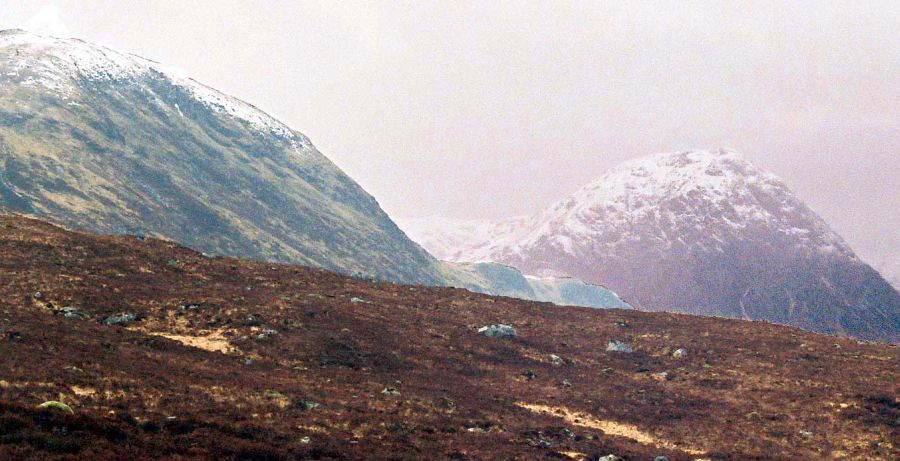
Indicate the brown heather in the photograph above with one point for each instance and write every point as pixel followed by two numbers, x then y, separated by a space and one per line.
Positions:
pixel 210 381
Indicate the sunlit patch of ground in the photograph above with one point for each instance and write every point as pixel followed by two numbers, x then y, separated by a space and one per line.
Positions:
pixel 609 427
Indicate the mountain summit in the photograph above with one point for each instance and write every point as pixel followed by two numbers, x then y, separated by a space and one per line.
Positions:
pixel 114 143
pixel 703 232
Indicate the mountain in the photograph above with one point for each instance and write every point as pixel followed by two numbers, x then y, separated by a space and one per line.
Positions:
pixel 108 142
pixel 114 143
pixel 501 280
pixel 164 353
pixel 702 232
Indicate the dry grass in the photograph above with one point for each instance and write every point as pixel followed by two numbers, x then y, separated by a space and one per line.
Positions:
pixel 200 383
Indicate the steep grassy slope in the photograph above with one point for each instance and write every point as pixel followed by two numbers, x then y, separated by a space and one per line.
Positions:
pixel 113 143
pixel 232 359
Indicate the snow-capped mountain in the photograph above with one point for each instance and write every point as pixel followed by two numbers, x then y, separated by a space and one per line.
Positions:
pixel 703 232
pixel 110 142
pixel 114 143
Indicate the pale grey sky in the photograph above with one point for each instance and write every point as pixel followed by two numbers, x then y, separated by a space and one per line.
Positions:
pixel 469 110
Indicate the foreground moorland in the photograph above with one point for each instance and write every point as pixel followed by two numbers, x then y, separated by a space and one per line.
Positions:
pixel 162 352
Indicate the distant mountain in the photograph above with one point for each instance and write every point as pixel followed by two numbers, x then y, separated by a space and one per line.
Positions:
pixel 113 143
pixel 498 279
pixel 699 232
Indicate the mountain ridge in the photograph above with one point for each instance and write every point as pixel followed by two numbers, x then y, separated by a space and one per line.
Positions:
pixel 109 142
pixel 702 232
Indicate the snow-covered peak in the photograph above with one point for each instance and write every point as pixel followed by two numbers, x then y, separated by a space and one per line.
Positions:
pixel 701 198
pixel 61 64
pixel 639 183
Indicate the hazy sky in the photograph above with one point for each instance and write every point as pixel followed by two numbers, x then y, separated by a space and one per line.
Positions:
pixel 473 111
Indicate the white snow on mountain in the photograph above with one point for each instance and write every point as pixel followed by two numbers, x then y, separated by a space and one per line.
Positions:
pixel 711 196
pixel 58 64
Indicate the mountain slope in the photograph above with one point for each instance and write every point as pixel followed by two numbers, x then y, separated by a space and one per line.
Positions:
pixel 114 143
pixel 699 232
pixel 308 364
pixel 501 280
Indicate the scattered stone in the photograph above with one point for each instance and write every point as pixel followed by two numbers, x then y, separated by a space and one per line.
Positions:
pixel 172 262
pixel 123 318
pixel 610 458
pixel 305 440
pixel 390 392
pixel 660 458
pixel 618 346
pixel 252 321
pixel 544 444
pixel 38 295
pixel 13 335
pixel 566 383
pixel 806 434
pixel 662 376
pixel 556 360
pixel 70 313
pixel 498 331
pixel 356 300
pixel 304 404
pixel 54 405
pixel 447 402
pixel 679 353
pixel 607 370
pixel 190 307
pixel 266 333
pixel 530 375
pixel 622 324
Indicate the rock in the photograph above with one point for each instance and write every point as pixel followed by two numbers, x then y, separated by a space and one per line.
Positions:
pixel 662 376
pixel 498 331
pixel 555 359
pixel 660 458
pixel 544 444
pixel 304 404
pixel 610 458
pixel 70 313
pixel 356 300
pixel 806 434
pixel 38 295
pixel 390 392
pixel 123 318
pixel 607 370
pixel 530 375
pixel 679 353
pixel 566 383
pixel 305 440
pixel 252 321
pixel 618 346
pixel 54 405
pixel 190 307
pixel 266 333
